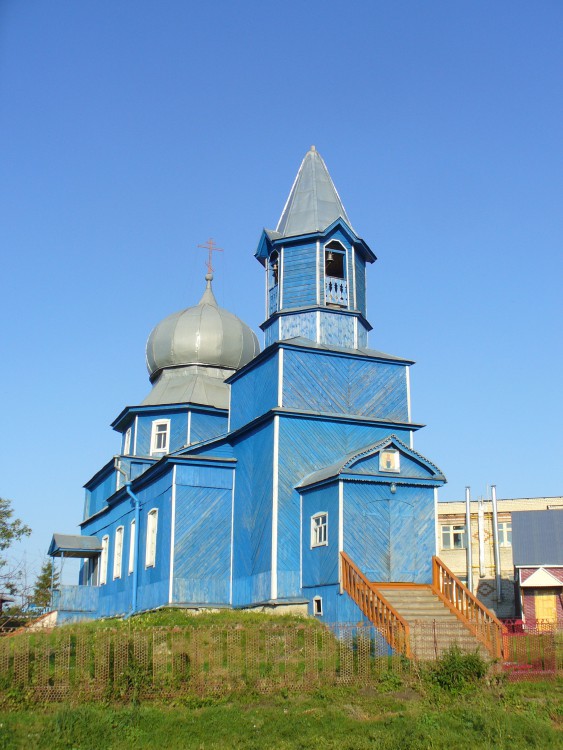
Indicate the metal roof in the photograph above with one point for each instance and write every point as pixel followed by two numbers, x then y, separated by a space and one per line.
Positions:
pixel 347 461
pixel 537 537
pixel 74 545
pixel 205 334
pixel 193 385
pixel 301 341
pixel 313 202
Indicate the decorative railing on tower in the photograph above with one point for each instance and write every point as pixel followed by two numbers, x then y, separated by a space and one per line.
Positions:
pixel 273 297
pixel 336 291
pixel 457 597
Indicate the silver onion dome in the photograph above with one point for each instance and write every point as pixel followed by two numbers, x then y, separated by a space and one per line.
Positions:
pixel 205 334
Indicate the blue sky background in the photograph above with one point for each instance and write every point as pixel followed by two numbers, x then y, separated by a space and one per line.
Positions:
pixel 130 132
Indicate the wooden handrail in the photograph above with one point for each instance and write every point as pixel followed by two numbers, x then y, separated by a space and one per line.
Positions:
pixel 375 606
pixel 465 605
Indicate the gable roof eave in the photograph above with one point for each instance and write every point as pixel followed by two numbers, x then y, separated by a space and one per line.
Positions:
pixel 339 468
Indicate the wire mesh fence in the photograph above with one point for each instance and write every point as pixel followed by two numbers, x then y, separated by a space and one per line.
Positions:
pixel 105 663
pixel 168 662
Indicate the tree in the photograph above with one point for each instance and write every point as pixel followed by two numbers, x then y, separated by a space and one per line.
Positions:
pixel 41 596
pixel 11 530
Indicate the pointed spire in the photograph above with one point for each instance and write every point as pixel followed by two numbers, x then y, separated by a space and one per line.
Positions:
pixel 313 202
pixel 208 296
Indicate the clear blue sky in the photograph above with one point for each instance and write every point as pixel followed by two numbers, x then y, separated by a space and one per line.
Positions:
pixel 131 131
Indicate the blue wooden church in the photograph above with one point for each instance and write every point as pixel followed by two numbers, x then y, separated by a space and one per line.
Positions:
pixel 244 474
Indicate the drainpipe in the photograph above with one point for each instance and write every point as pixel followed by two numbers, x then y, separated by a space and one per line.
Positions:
pixel 495 542
pixel 481 534
pixel 468 538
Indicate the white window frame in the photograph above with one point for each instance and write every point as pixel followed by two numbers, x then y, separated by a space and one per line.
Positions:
pixel 156 433
pixel 319 530
pixel 504 529
pixel 127 442
pixel 150 547
pixel 396 468
pixel 318 606
pixel 104 560
pixel 118 552
pixel 132 541
pixel 453 530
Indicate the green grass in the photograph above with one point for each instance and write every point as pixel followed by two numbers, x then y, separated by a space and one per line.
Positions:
pixel 170 617
pixel 412 717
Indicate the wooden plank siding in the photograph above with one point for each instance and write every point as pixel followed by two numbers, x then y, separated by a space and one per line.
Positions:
pixel 344 385
pixel 390 536
pixel 320 564
pixel 206 425
pixel 252 534
pixel 202 542
pixel 255 393
pixel 304 446
pixel 361 284
pixel 299 288
pixel 299 324
pixel 178 429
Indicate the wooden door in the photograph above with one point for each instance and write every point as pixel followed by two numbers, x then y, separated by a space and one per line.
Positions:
pixel 546 605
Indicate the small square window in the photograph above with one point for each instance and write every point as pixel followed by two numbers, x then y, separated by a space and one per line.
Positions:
pixel 454 537
pixel 160 436
pixel 318 606
pixel 389 461
pixel 319 530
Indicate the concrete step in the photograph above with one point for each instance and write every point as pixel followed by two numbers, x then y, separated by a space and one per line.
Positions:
pixel 433 626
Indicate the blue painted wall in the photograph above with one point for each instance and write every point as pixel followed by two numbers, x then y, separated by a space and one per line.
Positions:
pixel 320 564
pixel 178 429
pixel 205 425
pixel 252 535
pixel 305 445
pixel 390 537
pixel 202 546
pixel 299 324
pixel 115 596
pixel 298 283
pixel 255 392
pixel 98 491
pixel 342 384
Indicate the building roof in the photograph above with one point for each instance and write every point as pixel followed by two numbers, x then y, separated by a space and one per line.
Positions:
pixel 74 545
pixel 348 461
pixel 506 505
pixel 537 538
pixel 204 335
pixel 313 202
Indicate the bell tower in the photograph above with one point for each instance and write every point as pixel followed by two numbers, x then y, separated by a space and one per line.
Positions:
pixel 315 266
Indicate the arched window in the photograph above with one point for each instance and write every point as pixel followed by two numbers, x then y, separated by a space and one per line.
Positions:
pixel 335 257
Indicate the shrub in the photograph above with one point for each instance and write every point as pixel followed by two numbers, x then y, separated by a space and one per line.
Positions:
pixel 457 670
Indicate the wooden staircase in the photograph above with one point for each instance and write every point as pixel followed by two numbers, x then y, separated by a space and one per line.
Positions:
pixel 420 621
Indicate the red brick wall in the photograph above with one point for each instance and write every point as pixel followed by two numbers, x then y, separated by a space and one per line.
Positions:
pixel 529 606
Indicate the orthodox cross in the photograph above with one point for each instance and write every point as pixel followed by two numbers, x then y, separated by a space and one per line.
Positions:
pixel 211 247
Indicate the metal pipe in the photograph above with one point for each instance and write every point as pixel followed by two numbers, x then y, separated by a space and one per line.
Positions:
pixel 481 534
pixel 468 538
pixel 495 542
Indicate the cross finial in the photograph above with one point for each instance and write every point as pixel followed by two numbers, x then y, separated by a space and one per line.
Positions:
pixel 211 247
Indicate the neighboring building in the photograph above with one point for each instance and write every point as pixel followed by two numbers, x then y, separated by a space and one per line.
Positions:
pixel 452 547
pixel 244 474
pixel 538 561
